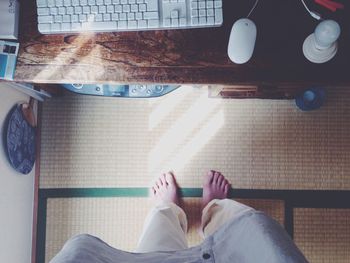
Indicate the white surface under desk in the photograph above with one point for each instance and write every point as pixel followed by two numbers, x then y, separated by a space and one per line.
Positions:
pixel 16 195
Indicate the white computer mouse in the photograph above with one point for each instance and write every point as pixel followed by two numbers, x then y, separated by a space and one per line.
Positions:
pixel 242 41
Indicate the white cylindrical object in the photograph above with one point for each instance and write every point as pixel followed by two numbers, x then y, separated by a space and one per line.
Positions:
pixel 326 33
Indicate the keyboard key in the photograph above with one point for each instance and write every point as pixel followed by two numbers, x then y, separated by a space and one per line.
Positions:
pixel 126 8
pixel 55 27
pixel 131 16
pixel 201 5
pixel 152 5
pixel 202 12
pixel 115 17
pixel 70 10
pixel 78 10
pixel 142 24
pixel 41 3
pixel 122 16
pixel 75 3
pixel 142 7
pixel 59 3
pixel 217 4
pixel 202 20
pixel 116 2
pixel 100 26
pixel 90 17
pixel 183 21
pixel 51 3
pixel 45 19
pixel 122 25
pixel 61 10
pixel 98 17
pixel 150 15
pixel 194 21
pixel 66 19
pixel 153 23
pixel 218 16
pixel 58 19
pixel 76 26
pixel 67 2
pixel 108 2
pixel 83 2
pixel 118 8
pixel 210 4
pixel 134 8
pixel 210 20
pixel 66 27
pixel 132 24
pixel 86 10
pixel 107 17
pixel 174 14
pixel 43 11
pixel 82 18
pixel 138 16
pixel 166 22
pixel 102 9
pixel 44 28
pixel 91 2
pixel 94 9
pixel 175 22
pixel 110 9
pixel 74 18
pixel 53 10
pixel 210 12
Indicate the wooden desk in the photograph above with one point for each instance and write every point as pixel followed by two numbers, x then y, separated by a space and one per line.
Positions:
pixel 185 56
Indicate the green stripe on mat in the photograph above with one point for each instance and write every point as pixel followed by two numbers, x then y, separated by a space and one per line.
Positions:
pixel 109 192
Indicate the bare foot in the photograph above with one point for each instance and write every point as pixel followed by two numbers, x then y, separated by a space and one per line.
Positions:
pixel 215 186
pixel 165 189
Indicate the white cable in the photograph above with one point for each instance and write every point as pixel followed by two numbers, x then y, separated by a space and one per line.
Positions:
pixel 251 11
pixel 312 13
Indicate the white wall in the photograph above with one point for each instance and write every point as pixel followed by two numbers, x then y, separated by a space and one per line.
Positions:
pixel 16 195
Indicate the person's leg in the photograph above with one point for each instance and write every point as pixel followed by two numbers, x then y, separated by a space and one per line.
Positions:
pixel 217 209
pixel 166 225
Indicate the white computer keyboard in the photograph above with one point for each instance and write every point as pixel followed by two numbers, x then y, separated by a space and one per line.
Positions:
pixel 64 16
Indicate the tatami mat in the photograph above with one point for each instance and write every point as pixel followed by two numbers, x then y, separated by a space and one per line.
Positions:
pixel 119 221
pixel 323 235
pixel 260 144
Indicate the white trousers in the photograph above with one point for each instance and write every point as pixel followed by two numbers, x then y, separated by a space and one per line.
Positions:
pixel 165 227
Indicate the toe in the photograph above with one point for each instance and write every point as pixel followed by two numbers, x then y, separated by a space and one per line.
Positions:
pixel 220 179
pixel 157 186
pixel 160 183
pixel 224 183
pixel 153 191
pixel 162 179
pixel 208 178
pixel 169 178
pixel 216 177
pixel 227 188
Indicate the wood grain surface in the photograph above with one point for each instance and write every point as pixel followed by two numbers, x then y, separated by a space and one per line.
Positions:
pixel 185 56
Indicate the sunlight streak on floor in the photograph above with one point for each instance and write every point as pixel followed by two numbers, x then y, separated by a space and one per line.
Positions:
pixel 167 105
pixel 195 145
pixel 187 135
